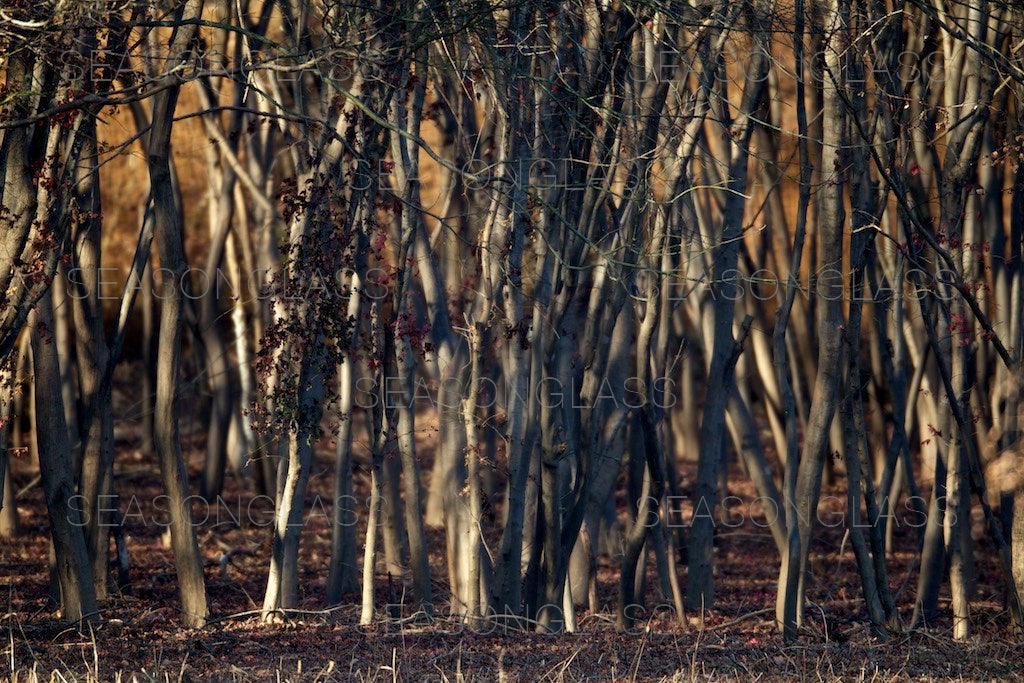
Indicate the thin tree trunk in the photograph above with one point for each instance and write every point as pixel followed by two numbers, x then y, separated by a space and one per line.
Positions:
pixel 370 547
pixel 700 587
pixel 378 439
pixel 475 600
pixel 64 340
pixel 392 528
pixel 93 356
pixel 283 583
pixel 8 504
pixel 74 574
pixel 402 415
pixel 849 419
pixel 829 313
pixel 9 526
pixel 168 227
pixel 341 577
pixel 1017 542
pixel 149 355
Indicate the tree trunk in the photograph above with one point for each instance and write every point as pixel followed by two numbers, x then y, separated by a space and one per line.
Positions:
pixel 8 504
pixel 77 594
pixel 168 228
pixel 341 577
pixel 700 587
pixel 1017 542
pixel 829 306
pixel 93 356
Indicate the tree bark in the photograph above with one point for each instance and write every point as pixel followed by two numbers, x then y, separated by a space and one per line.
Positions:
pixel 700 586
pixel 829 306
pixel 168 228
pixel 74 574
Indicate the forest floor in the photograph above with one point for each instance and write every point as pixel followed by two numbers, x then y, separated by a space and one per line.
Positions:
pixel 140 638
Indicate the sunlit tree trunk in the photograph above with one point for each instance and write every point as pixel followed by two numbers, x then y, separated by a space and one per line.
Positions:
pixel 700 584
pixel 168 228
pixel 831 219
